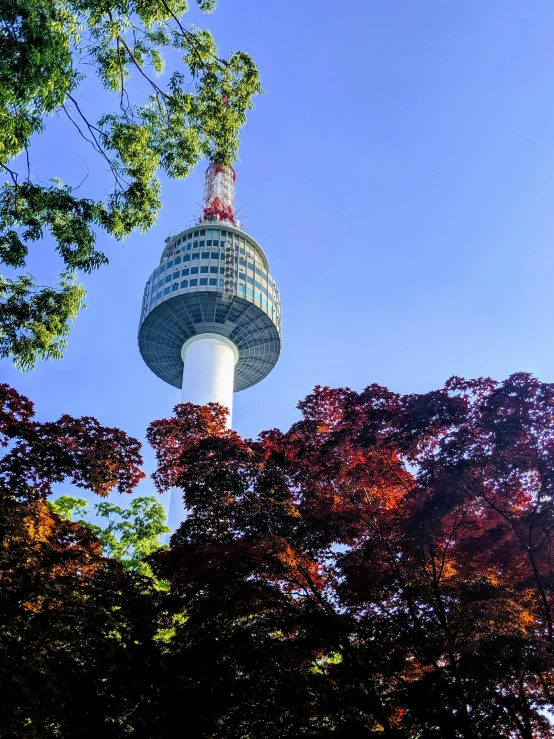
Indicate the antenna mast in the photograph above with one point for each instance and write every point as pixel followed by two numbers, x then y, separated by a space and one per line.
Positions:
pixel 219 194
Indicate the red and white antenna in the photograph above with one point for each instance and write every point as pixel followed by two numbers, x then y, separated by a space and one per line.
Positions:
pixel 219 194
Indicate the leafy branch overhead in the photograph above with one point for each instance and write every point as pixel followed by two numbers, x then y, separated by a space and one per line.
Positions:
pixel 196 112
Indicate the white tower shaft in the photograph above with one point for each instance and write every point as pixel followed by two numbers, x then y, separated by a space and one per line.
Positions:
pixel 209 371
pixel 208 377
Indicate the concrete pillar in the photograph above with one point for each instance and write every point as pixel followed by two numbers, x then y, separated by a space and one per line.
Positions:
pixel 209 371
pixel 208 377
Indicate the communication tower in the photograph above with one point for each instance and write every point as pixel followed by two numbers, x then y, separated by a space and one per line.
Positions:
pixel 211 314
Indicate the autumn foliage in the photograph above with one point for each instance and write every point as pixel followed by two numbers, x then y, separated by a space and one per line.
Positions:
pixel 72 622
pixel 383 568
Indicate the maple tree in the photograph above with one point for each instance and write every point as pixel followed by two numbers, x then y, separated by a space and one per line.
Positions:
pixel 72 622
pixel 384 568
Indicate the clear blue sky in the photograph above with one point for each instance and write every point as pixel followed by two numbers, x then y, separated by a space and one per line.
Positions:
pixel 398 171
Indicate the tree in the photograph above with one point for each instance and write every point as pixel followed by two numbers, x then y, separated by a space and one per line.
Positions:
pixel 384 568
pixel 47 47
pixel 130 535
pixel 76 628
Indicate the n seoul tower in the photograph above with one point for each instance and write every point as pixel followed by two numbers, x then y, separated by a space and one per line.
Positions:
pixel 211 314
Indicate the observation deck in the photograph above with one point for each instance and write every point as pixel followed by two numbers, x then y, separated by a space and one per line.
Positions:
pixel 212 278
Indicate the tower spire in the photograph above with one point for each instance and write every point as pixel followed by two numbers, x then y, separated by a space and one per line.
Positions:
pixel 219 194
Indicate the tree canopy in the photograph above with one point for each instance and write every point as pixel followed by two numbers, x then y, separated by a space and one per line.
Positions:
pixel 381 569
pixel 384 568
pixel 48 49
pixel 72 621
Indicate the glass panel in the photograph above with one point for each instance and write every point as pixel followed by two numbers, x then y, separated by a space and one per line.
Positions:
pixel 216 242
pixel 166 291
pixel 203 270
pixel 250 280
pixel 194 270
pixel 250 292
pixel 176 275
pixel 159 295
pixel 193 283
pixel 185 272
pixel 203 232
pixel 213 270
pixel 208 242
pixel 195 244
pixel 200 243
pixel 213 281
pixel 215 255
pixel 258 285
pixel 196 234
pixel 204 281
pixel 222 270
pixel 186 258
pixel 174 286
pixel 177 260
pixel 169 264
pixel 241 288
pixel 196 256
pixel 221 283
pixel 168 278
pixel 184 283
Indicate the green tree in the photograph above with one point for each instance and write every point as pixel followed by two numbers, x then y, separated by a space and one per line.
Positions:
pixel 130 534
pixel 47 48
